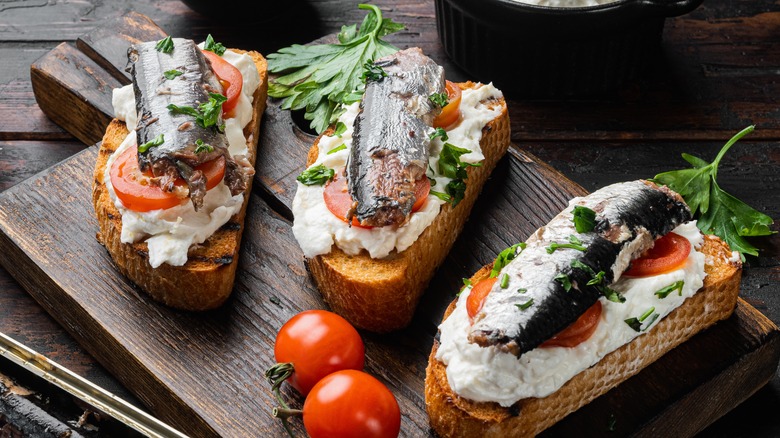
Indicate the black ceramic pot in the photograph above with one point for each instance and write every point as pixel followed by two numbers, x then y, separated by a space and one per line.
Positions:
pixel 539 51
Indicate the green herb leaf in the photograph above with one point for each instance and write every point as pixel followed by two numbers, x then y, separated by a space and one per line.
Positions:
pixel 717 212
pixel 597 279
pixel 451 167
pixel 372 72
pixel 522 290
pixel 157 141
pixel 165 45
pixel 466 282
pixel 201 147
pixel 574 243
pixel 340 147
pixel 207 114
pixel 341 128
pixel 213 46
pixel 636 323
pixel 611 294
pixel 525 305
pixel 611 423
pixel 504 257
pixel 504 281
pixel 172 74
pixel 564 280
pixel 676 286
pixel 439 99
pixel 441 133
pixel 321 78
pixel 443 196
pixel 584 219
pixel 317 175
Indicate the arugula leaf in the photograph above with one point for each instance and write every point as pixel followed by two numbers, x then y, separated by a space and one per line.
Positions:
pixel 213 46
pixel 157 141
pixel 717 212
pixel 322 78
pixel 317 175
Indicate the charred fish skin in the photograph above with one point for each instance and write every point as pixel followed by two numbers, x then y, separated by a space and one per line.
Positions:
pixel 176 156
pixel 629 217
pixel 390 142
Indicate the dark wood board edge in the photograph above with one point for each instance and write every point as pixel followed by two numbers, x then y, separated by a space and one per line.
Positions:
pixel 74 92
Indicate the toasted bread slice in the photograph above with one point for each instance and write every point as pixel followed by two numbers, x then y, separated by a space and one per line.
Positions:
pixel 380 295
pixel 453 416
pixel 206 280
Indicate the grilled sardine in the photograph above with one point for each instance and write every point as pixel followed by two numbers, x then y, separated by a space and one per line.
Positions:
pixel 629 217
pixel 179 154
pixel 390 147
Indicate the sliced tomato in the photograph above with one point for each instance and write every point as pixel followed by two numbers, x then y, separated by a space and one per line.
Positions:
pixel 133 189
pixel 579 331
pixel 479 293
pixel 230 78
pixel 668 254
pixel 339 201
pixel 450 113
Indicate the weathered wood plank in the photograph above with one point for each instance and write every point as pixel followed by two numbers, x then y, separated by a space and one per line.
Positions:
pixel 20 160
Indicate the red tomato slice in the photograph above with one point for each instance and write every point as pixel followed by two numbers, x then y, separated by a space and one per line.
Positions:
pixel 450 113
pixel 349 404
pixel 230 78
pixel 479 293
pixel 668 254
pixel 339 201
pixel 579 331
pixel 133 189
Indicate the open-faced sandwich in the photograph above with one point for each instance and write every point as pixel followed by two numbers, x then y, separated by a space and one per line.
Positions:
pixel 608 286
pixel 388 188
pixel 175 168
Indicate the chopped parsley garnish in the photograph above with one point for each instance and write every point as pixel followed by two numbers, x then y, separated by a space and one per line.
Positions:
pixel 717 212
pixel 213 46
pixel 165 45
pixel 597 280
pixel 504 257
pixel 466 283
pixel 564 280
pixel 317 175
pixel 207 114
pixel 372 72
pixel 504 281
pixel 611 423
pixel 441 133
pixel 574 243
pixel 451 167
pixel 341 128
pixel 612 294
pixel 525 305
pixel 439 99
pixel 584 219
pixel 157 141
pixel 340 147
pixel 522 290
pixel 172 74
pixel 676 286
pixel 636 323
pixel 201 147
pixel 322 78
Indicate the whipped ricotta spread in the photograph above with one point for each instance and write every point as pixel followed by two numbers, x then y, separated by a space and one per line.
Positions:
pixel 487 374
pixel 317 229
pixel 171 232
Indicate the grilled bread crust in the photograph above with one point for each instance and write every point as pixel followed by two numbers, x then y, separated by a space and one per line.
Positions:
pixel 381 295
pixel 453 416
pixel 206 280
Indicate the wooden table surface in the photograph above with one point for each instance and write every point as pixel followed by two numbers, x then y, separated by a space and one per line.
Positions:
pixel 718 71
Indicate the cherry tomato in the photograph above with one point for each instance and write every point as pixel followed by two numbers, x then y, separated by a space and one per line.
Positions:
pixel 230 78
pixel 479 293
pixel 450 113
pixel 317 343
pixel 350 404
pixel 339 201
pixel 132 186
pixel 668 254
pixel 580 331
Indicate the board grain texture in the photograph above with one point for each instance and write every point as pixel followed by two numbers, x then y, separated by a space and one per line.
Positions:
pixel 721 46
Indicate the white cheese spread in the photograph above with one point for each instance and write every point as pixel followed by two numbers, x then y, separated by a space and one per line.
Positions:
pixel 487 374
pixel 171 232
pixel 317 229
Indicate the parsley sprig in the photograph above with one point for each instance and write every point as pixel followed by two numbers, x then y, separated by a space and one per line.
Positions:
pixel 213 46
pixel 316 175
pixel 320 78
pixel 506 256
pixel 451 167
pixel 207 114
pixel 718 212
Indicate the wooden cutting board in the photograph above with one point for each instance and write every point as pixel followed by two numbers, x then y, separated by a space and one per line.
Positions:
pixel 203 372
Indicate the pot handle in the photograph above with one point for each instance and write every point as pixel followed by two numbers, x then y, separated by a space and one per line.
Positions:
pixel 670 8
